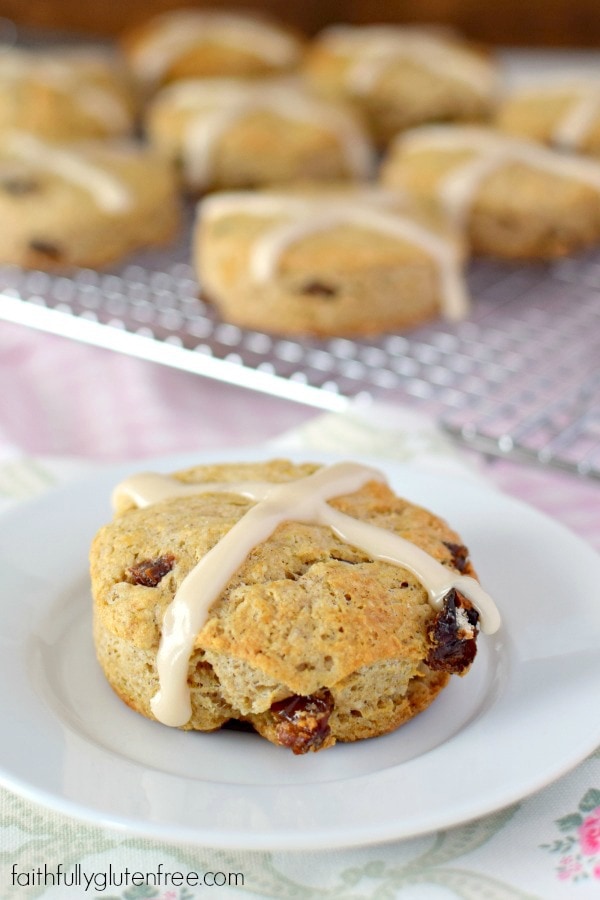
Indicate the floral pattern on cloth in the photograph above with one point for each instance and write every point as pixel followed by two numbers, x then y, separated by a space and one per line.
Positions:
pixel 383 872
pixel 578 849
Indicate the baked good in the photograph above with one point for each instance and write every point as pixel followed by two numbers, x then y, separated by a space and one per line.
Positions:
pixel 561 111
pixel 234 133
pixel 514 198
pixel 308 600
pixel 327 263
pixel 81 204
pixel 400 77
pixel 204 43
pixel 65 94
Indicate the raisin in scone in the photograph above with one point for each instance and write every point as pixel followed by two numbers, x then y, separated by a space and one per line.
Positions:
pixel 204 43
pixel 400 77
pixel 560 111
pixel 514 198
pixel 231 133
pixel 308 600
pixel 65 94
pixel 82 204
pixel 327 262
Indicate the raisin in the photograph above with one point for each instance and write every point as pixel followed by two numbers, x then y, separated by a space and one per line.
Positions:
pixel 319 289
pixel 453 645
pixel 18 186
pixel 303 722
pixel 150 572
pixel 460 556
pixel 46 248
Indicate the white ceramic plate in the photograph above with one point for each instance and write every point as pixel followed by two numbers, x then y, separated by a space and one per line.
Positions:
pixel 525 714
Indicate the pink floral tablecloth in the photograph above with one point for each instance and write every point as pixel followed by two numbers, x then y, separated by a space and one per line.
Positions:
pixel 65 408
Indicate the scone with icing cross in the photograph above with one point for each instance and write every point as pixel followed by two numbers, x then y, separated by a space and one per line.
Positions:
pixel 234 133
pixel 560 111
pixel 400 77
pixel 65 94
pixel 307 600
pixel 205 43
pixel 82 204
pixel 327 262
pixel 512 197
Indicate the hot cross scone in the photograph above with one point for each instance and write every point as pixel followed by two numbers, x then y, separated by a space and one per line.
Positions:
pixel 400 77
pixel 307 600
pixel 65 94
pixel 205 43
pixel 234 133
pixel 512 197
pixel 355 261
pixel 81 204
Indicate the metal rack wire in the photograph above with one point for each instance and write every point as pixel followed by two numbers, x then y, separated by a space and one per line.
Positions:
pixel 519 378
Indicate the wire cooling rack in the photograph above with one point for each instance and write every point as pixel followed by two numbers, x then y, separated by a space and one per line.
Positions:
pixel 520 377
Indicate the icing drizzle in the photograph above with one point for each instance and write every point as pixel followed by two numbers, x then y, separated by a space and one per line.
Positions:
pixel 491 151
pixel 304 217
pixel 217 104
pixel 301 500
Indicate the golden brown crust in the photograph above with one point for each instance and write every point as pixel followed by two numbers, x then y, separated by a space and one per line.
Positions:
pixel 305 616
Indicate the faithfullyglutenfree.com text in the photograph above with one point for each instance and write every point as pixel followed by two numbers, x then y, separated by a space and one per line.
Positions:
pixel 98 881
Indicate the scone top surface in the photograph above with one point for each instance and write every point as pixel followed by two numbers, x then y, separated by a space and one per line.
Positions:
pixel 304 613
pixel 200 43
